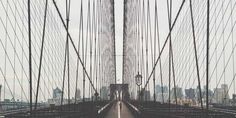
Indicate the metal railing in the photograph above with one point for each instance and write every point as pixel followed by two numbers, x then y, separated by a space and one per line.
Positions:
pixel 89 109
pixel 152 109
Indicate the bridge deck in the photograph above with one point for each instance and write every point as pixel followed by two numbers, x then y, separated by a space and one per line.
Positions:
pixel 117 112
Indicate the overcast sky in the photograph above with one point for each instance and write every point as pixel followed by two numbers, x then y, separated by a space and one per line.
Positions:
pixel 14 42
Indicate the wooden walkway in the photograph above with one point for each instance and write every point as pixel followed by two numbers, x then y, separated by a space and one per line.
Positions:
pixel 119 110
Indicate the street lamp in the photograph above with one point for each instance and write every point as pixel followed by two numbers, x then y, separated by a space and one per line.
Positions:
pixel 138 80
pixel 96 96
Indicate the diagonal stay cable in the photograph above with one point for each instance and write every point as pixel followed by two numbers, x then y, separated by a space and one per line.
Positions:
pixel 180 9
pixel 72 42
pixel 195 50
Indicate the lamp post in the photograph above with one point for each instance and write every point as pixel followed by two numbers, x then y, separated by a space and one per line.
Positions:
pixel 96 96
pixel 138 80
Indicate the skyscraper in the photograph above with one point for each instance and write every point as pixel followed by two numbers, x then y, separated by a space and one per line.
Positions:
pixel 57 93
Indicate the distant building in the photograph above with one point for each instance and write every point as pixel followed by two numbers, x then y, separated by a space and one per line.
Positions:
pixel 218 96
pixel 78 94
pixel 57 93
pixel 165 89
pixel 234 100
pixel 158 89
pixel 190 93
pixel 104 93
pixel 221 95
pixel 210 94
pixel 226 92
pixel 179 93
pixel 159 96
pixel 146 95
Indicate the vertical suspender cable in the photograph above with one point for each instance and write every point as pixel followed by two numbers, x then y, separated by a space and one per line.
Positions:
pixel 149 32
pixel 146 41
pixel 144 49
pixel 231 6
pixel 149 26
pixel 171 60
pixel 64 72
pixel 163 47
pixel 223 36
pixel 158 39
pixel 169 21
pixel 207 57
pixel 73 45
pixel 88 27
pixel 22 58
pixel 68 48
pixel 98 66
pixel 98 71
pixel 30 57
pixel 14 63
pixel 77 63
pixel 195 50
pixel 91 47
pixel 169 57
pixel 95 25
pixel 154 74
pixel 96 44
pixel 82 36
pixel 5 58
pixel 41 54
pixel 216 57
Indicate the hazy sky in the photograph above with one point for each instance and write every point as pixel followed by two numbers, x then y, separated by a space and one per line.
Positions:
pixel 14 41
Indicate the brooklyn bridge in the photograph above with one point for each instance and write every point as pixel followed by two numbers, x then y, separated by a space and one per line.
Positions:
pixel 117 59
